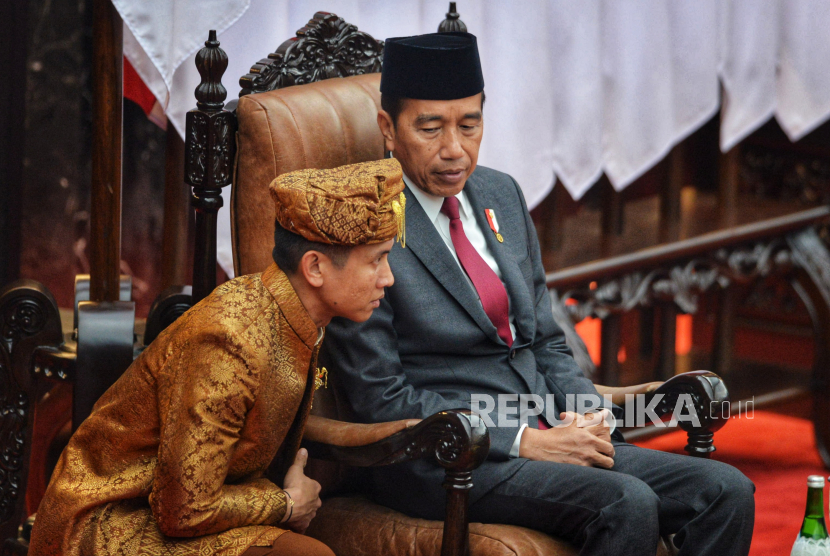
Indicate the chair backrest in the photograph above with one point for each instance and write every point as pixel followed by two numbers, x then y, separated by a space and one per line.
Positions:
pixel 319 125
pixel 324 123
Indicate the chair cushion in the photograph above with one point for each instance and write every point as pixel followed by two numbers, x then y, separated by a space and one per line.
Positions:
pixel 319 125
pixel 355 526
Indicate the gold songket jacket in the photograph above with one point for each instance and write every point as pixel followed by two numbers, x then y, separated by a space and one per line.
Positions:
pixel 172 460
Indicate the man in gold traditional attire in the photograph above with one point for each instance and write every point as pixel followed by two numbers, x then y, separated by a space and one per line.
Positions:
pixel 173 458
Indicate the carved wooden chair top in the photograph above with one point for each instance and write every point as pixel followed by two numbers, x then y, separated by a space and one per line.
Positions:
pixel 327 46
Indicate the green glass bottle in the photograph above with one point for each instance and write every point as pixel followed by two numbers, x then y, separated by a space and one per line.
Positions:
pixel 813 539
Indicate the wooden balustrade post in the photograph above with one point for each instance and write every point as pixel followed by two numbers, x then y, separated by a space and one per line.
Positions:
pixel 176 225
pixel 209 152
pixel 728 185
pixel 670 213
pixel 724 343
pixel 612 224
pixel 610 341
pixel 666 353
pixel 107 106
pixel 556 232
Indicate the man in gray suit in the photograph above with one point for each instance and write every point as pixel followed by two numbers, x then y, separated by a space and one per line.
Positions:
pixel 469 314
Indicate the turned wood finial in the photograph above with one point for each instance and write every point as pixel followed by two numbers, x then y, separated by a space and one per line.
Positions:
pixel 209 153
pixel 211 61
pixel 452 22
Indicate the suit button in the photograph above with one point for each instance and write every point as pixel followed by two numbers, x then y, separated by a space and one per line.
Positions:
pixel 513 354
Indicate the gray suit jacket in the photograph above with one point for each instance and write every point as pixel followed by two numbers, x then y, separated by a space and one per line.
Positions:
pixel 430 345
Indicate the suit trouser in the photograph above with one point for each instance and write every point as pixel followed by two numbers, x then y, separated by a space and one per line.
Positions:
pixel 709 505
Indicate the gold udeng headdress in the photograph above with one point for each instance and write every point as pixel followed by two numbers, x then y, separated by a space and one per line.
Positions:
pixel 350 205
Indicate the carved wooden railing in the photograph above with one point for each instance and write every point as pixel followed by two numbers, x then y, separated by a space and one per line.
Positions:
pixel 789 247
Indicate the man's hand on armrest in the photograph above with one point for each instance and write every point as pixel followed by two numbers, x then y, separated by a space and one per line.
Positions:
pixel 579 440
pixel 618 393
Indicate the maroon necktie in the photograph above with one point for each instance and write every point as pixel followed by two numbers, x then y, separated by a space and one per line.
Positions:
pixel 487 283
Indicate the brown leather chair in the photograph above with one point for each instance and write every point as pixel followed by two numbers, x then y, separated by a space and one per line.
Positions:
pixel 325 124
pixel 321 124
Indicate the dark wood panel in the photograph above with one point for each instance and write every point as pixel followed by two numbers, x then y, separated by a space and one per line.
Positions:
pixel 176 214
pixel 13 39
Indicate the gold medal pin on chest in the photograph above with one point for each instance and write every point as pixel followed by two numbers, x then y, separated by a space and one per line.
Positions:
pixel 494 224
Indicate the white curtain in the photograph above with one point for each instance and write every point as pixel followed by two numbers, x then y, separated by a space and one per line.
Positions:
pixel 574 88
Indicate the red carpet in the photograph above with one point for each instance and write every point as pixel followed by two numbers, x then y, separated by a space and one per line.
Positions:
pixel 778 453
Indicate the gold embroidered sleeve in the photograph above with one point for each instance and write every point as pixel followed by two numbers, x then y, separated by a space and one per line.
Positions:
pixel 205 391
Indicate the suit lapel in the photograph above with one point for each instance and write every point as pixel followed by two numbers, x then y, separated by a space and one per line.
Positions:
pixel 426 244
pixel 521 304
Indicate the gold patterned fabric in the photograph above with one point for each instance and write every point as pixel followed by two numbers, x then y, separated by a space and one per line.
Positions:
pixel 350 205
pixel 172 460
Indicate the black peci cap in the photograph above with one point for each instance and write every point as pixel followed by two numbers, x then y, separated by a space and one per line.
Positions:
pixel 437 66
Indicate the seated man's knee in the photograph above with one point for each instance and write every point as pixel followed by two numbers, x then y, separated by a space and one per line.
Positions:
pixel 723 489
pixel 630 513
pixel 634 500
pixel 723 480
pixel 737 487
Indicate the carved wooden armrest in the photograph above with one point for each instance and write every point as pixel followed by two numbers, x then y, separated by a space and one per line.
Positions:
pixel 708 396
pixel 340 433
pixel 448 436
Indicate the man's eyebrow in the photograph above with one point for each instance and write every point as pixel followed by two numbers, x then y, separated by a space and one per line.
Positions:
pixel 424 118
pixel 473 115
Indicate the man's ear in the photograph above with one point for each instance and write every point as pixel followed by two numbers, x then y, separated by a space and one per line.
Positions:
pixel 387 129
pixel 309 267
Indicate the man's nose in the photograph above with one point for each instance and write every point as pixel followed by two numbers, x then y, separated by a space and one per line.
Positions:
pixel 451 149
pixel 386 278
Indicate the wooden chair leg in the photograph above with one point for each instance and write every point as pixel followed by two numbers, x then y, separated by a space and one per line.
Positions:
pixel 459 457
pixel 456 525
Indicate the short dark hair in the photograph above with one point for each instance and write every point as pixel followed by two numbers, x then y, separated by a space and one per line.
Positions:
pixel 393 105
pixel 289 249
